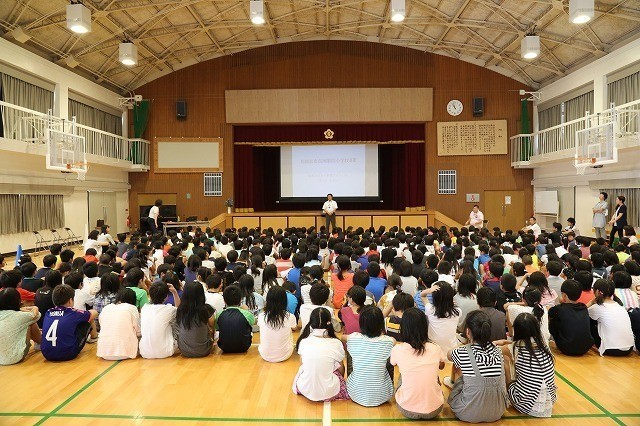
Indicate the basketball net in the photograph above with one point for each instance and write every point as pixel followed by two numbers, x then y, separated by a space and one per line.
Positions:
pixel 79 168
pixel 581 164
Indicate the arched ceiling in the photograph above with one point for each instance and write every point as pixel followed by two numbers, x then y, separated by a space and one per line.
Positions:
pixel 173 34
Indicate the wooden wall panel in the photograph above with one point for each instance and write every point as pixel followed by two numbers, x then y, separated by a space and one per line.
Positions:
pixel 249 222
pixel 386 221
pixel 332 64
pixel 273 222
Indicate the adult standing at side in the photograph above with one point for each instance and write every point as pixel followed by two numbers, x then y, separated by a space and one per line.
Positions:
pixel 619 219
pixel 476 217
pixel 600 212
pixel 329 212
pixel 153 216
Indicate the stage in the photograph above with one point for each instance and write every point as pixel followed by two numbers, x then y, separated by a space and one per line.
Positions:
pixel 344 219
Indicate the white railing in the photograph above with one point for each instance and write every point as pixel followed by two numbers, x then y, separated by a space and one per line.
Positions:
pixel 30 126
pixel 563 136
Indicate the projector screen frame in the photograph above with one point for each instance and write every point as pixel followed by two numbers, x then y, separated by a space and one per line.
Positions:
pixel 351 199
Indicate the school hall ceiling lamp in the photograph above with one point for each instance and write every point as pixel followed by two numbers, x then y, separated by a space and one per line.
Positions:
pixel 581 11
pixel 530 46
pixel 398 9
pixel 78 18
pixel 128 53
pixel 256 11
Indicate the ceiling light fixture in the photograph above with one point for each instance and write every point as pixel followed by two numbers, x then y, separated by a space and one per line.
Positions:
pixel 78 18
pixel 398 9
pixel 530 46
pixel 128 53
pixel 256 11
pixel 581 11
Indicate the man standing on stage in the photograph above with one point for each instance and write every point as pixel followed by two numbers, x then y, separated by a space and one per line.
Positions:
pixel 329 211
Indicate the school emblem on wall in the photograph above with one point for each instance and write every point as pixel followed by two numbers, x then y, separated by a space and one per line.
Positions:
pixel 328 134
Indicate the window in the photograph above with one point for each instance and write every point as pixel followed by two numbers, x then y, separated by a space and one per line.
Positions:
pixel 447 182
pixel 213 184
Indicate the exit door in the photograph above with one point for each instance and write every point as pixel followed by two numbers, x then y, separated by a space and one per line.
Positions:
pixel 504 209
pixel 102 206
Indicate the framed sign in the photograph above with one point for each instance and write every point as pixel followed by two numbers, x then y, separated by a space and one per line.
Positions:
pixel 187 155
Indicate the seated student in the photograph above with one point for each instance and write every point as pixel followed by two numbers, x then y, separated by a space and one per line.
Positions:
pixel 29 282
pixel 134 280
pixel 234 323
pixel 119 328
pixel 361 279
pixel 465 298
pixel 393 314
pixel 91 279
pixel 341 281
pixel 104 264
pixel 419 395
pixel 293 304
pixel 48 262
pixel 195 321
pixel 530 304
pixel 507 292
pixel 585 279
pixel 533 389
pixel 444 272
pixel 496 270
pixel 276 325
pixel 628 297
pixel 12 279
pixel 539 281
pixel 478 385
pixel 569 321
pixel 109 287
pixel 213 296
pixel 320 377
pixel 122 246
pixel 487 302
pixel 350 312
pixel 443 315
pixel 82 300
pixel 611 326
pixel 428 277
pixel 320 298
pixel 66 329
pixel 18 327
pixel 369 384
pixel 529 266
pixel 90 256
pixel 376 284
pixel 158 328
pixel 555 279
pixel 409 282
pixel 66 257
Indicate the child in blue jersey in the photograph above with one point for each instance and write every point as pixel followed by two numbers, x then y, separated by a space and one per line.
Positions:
pixel 65 330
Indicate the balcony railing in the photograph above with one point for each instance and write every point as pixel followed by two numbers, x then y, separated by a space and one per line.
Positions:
pixel 30 126
pixel 563 136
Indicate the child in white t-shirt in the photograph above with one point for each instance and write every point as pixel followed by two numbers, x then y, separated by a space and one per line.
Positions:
pixel 614 335
pixel 276 325
pixel 158 323
pixel 319 295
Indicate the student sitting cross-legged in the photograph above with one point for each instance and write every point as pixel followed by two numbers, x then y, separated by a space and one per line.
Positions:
pixel 370 383
pixel 65 329
pixel 419 395
pixel 569 322
pixel 119 328
pixel 196 322
pixel 17 327
pixel 611 325
pixel 234 323
pixel 158 323
pixel 276 325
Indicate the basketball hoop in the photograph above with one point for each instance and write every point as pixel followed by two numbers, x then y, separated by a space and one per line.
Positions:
pixel 80 169
pixel 581 164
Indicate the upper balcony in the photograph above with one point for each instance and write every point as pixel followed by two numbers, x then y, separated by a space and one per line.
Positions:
pixel 25 130
pixel 559 142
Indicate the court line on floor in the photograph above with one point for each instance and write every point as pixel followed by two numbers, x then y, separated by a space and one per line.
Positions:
pixel 591 400
pixel 326 413
pixel 75 395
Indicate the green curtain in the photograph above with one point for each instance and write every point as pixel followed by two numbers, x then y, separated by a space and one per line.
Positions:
pixel 140 119
pixel 525 129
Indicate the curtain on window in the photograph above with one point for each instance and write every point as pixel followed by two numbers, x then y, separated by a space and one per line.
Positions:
pixel 27 95
pixel 625 90
pixel 632 201
pixel 24 213
pixel 93 117
pixel 549 117
pixel 575 108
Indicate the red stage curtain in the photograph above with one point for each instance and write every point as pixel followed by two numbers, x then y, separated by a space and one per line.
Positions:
pixel 243 180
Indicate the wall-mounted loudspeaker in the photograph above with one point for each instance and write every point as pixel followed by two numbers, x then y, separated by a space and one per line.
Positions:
pixel 181 110
pixel 478 107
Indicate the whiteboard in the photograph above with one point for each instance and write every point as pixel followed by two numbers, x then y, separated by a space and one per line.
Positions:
pixel 546 202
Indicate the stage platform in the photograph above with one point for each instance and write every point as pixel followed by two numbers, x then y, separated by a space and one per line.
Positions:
pixel 344 219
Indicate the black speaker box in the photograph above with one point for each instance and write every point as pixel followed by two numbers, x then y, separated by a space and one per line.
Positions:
pixel 181 110
pixel 478 107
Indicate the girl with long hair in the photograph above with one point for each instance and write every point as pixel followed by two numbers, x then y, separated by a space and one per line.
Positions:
pixel 533 389
pixel 252 300
pixel 195 322
pixel 465 298
pixel 531 298
pixel 320 377
pixel 611 325
pixel 276 325
pixel 341 281
pixel 269 278
pixel 419 395
pixel 443 315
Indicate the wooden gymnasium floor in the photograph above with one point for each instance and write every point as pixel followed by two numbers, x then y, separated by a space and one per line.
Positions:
pixel 243 389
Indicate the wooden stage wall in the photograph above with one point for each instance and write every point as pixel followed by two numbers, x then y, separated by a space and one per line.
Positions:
pixel 331 64
pixel 344 219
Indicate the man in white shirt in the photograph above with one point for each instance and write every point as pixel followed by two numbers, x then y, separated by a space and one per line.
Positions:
pixel 153 216
pixel 533 226
pixel 329 211
pixel 476 217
